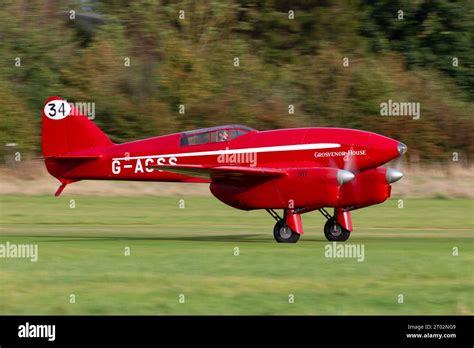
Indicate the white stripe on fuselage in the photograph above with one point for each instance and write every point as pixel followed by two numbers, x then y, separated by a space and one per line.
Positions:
pixel 236 151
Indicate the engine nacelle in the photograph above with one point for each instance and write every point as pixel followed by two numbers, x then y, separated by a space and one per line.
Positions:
pixel 367 188
pixel 299 188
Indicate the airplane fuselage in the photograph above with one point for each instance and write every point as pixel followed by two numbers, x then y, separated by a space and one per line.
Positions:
pixel 349 149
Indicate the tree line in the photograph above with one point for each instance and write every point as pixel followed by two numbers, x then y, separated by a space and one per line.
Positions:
pixel 154 67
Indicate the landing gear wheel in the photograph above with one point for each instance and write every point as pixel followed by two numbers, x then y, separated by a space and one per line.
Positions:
pixel 334 232
pixel 284 234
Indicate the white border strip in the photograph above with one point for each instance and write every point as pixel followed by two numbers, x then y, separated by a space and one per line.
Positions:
pixel 317 146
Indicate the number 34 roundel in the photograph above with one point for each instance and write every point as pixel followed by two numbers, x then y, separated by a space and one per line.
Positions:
pixel 57 109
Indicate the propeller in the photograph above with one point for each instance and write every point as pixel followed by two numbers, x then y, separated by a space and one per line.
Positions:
pixel 394 173
pixel 347 173
pixel 350 160
pixel 349 170
pixel 343 175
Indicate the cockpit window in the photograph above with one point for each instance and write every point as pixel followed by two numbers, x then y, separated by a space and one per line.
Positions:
pixel 213 135
pixel 235 133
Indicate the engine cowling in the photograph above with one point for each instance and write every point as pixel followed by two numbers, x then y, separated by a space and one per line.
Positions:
pixel 368 188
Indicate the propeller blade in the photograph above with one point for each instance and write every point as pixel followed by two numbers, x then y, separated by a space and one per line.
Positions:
pixel 350 160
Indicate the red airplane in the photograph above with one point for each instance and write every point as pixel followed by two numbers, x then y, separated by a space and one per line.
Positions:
pixel 297 170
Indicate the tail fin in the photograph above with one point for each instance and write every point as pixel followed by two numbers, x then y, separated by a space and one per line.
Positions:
pixel 69 138
pixel 65 130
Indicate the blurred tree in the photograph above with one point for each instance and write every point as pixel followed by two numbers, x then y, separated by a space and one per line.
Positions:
pixel 431 34
pixel 159 66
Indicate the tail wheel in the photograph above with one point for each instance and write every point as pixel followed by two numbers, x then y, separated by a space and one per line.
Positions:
pixel 284 234
pixel 334 232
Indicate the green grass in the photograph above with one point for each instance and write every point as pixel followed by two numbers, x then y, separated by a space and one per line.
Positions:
pixel 190 251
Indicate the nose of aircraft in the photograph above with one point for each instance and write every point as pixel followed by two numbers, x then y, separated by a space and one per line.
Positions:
pixel 402 148
pixel 385 149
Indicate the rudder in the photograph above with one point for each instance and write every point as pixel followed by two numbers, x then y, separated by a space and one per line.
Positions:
pixel 69 139
pixel 65 130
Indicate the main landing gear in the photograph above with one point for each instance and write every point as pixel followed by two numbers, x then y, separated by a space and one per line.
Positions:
pixel 334 230
pixel 289 228
pixel 282 232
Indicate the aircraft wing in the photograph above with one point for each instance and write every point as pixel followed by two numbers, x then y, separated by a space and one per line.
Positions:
pixel 221 172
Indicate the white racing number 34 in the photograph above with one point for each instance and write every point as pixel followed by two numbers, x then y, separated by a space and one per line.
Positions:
pixel 57 109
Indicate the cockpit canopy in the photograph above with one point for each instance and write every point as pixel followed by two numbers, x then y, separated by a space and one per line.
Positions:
pixel 213 134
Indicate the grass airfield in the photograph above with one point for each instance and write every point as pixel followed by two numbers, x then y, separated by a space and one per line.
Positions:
pixel 190 251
